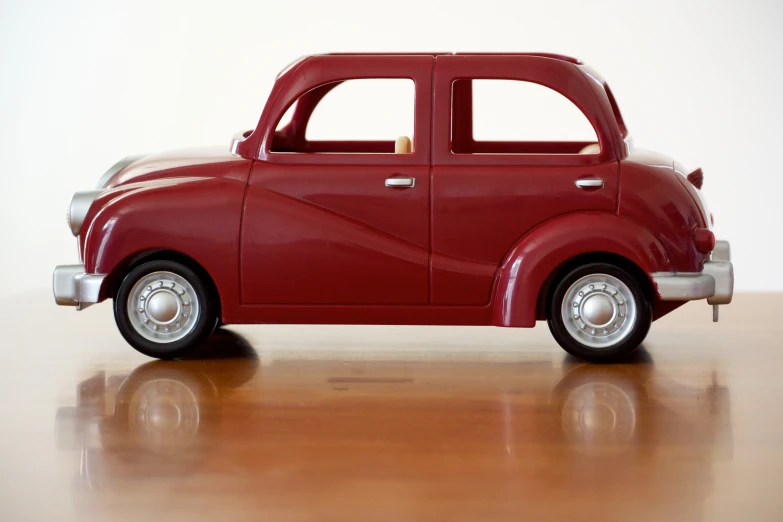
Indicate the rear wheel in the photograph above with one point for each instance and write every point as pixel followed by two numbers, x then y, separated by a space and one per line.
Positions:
pixel 163 309
pixel 598 312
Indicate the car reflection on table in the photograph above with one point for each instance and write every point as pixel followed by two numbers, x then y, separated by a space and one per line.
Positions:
pixel 535 434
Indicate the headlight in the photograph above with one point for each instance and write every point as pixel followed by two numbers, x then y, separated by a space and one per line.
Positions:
pixel 78 208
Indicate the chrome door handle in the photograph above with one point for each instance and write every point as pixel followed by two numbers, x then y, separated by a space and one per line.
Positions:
pixel 590 183
pixel 400 182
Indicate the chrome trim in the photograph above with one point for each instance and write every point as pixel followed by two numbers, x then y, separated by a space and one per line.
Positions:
pixel 628 145
pixel 236 139
pixel 598 311
pixel 722 251
pixel 684 286
pixel 590 183
pixel 79 206
pixel 72 286
pixel 163 307
pixel 722 273
pixel 715 282
pixel 401 182
pixel 114 169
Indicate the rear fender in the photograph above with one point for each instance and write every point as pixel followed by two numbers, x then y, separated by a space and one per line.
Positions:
pixel 541 252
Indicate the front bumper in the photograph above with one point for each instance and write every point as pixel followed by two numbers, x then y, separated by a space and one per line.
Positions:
pixel 74 287
pixel 715 282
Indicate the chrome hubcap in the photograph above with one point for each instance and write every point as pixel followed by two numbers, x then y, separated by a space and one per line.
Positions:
pixel 163 307
pixel 599 311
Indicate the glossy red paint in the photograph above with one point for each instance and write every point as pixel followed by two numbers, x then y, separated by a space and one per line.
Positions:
pixel 323 228
pixel 298 231
pixel 696 178
pixel 202 161
pixel 477 196
pixel 542 252
pixel 344 238
pixel 192 210
pixel 653 193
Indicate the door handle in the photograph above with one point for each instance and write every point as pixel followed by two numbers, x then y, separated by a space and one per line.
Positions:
pixel 401 182
pixel 590 183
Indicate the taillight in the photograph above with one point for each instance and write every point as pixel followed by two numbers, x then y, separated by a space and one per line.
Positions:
pixel 705 240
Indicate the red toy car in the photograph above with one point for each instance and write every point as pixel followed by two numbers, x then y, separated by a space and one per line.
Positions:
pixel 444 229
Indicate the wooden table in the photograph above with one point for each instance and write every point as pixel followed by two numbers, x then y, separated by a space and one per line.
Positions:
pixel 375 423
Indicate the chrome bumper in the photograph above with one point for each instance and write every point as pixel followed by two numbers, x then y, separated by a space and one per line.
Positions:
pixel 715 282
pixel 73 287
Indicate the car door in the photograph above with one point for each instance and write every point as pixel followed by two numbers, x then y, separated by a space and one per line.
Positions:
pixel 488 194
pixel 341 221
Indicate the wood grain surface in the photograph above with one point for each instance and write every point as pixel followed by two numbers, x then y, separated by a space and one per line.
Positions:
pixel 371 423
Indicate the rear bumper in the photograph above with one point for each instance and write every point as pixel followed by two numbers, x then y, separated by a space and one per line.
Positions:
pixel 73 287
pixel 715 282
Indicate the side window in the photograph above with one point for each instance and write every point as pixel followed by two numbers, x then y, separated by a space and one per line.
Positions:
pixel 370 116
pixel 517 117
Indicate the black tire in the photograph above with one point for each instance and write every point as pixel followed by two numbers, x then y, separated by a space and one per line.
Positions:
pixel 203 325
pixel 575 344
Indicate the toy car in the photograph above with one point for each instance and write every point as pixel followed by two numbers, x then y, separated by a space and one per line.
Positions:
pixel 440 228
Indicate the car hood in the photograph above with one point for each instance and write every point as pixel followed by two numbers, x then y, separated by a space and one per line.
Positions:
pixel 202 161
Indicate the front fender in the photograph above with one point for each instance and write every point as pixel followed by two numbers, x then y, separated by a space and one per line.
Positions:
pixel 542 251
pixel 198 217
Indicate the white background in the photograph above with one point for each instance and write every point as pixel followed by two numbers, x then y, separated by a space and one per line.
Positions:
pixel 83 84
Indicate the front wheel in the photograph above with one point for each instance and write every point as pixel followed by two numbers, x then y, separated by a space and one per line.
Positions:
pixel 598 312
pixel 163 309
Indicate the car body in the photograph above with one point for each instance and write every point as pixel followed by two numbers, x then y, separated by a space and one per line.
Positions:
pixel 444 229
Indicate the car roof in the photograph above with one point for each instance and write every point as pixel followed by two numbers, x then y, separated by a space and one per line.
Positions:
pixel 553 56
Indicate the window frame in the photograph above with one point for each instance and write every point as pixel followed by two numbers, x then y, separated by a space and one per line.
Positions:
pixel 399 88
pixel 468 132
pixel 562 77
pixel 321 71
